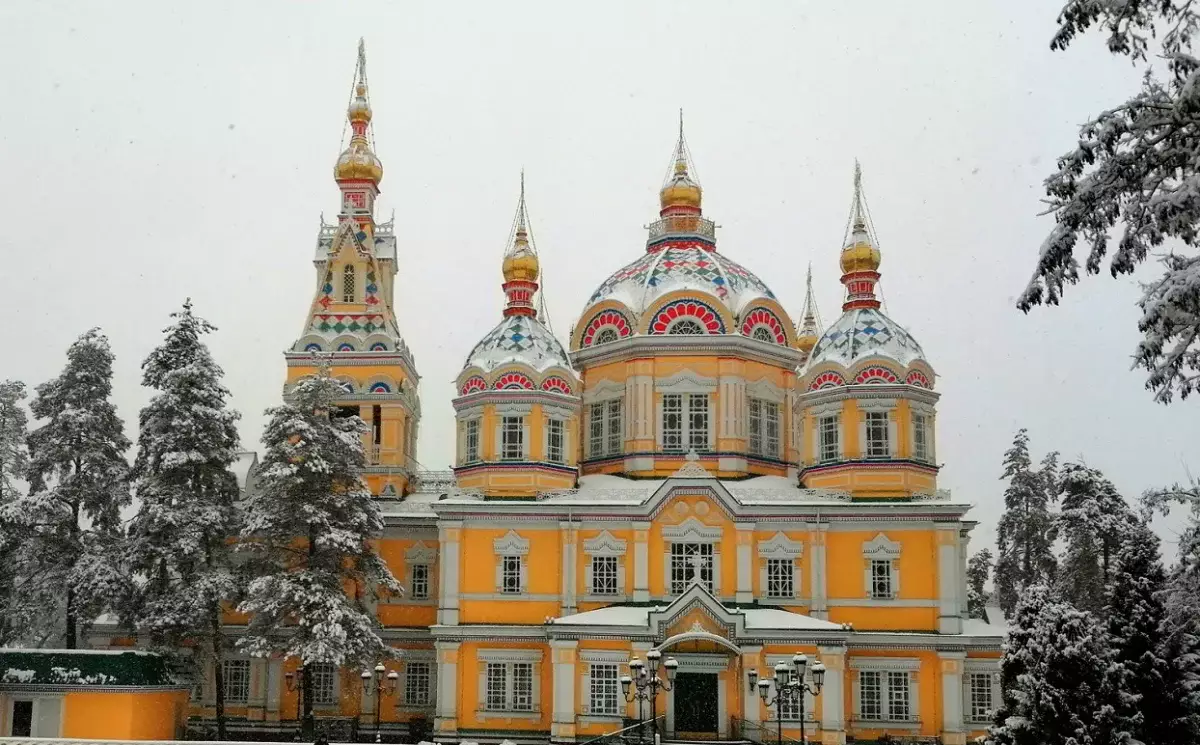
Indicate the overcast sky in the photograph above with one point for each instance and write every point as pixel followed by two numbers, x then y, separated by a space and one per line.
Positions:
pixel 155 151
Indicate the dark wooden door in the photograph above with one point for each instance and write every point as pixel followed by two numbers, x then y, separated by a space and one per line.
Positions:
pixel 696 703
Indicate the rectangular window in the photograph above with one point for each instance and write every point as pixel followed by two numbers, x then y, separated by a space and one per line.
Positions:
pixel 471 441
pixel 418 586
pixel 885 696
pixel 604 575
pixel 877 435
pixel 764 428
pixel 898 697
pixel 512 438
pixel 522 678
pixel 497 686
pixel 323 676
pixel 881 579
pixel 348 293
pixel 698 423
pixel 376 424
pixel 237 681
pixel 596 441
pixel 691 562
pixel 606 436
pixel 616 443
pixel 920 441
pixel 754 418
pixel 870 688
pixel 417 683
pixel 827 432
pixel 555 446
pixel 781 582
pixel 510 574
pixel 672 425
pixel 604 688
pixel 981 697
pixel 789 709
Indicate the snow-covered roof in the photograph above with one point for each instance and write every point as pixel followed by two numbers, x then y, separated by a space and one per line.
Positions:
pixel 862 333
pixel 518 339
pixel 776 618
pixel 639 615
pixel 994 625
pixel 613 615
pixel 415 504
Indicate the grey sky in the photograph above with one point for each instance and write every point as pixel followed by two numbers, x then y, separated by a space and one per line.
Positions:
pixel 155 151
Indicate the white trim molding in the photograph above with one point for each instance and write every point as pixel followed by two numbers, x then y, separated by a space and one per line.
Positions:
pixel 685 381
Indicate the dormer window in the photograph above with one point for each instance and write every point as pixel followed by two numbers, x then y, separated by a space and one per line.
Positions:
pixel 349 294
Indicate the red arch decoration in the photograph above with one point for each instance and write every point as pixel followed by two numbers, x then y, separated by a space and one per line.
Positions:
pixel 474 384
pixel 603 319
pixel 764 317
pixel 827 379
pixel 917 378
pixel 556 384
pixel 874 374
pixel 709 319
pixel 512 381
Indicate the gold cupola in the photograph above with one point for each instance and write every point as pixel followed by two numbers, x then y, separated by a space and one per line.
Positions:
pixel 521 267
pixel 358 162
pixel 859 253
pixel 681 192
pixel 810 327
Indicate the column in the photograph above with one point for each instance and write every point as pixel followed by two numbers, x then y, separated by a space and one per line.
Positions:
pixel 274 687
pixel 745 562
pixel 833 696
pixel 564 653
pixel 258 689
pixel 964 552
pixel 731 434
pixel 953 731
pixel 639 416
pixel 569 573
pixel 818 608
pixel 446 724
pixel 641 562
pixel 949 620
pixel 449 534
pixel 751 703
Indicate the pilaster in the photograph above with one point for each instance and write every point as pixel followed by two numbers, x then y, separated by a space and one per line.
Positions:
pixel 752 708
pixel 641 562
pixel 274 687
pixel 445 726
pixel 745 562
pixel 564 654
pixel 449 535
pixel 833 696
pixel 949 581
pixel 953 731
pixel 569 559
pixel 818 607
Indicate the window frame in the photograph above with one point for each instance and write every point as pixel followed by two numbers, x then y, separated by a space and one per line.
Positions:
pixel 920 425
pixel 242 698
pixel 511 574
pixel 679 565
pixel 511 687
pixel 349 284
pixel 694 428
pixel 781 587
pixel 891 690
pixel 604 688
pixel 512 427
pixel 606 433
pixel 556 440
pixel 829 438
pixel 471 441
pixel 411 682
pixel 762 420
pixel 326 675
pixel 606 579
pixel 882 586
pixel 877 443
pixel 416 582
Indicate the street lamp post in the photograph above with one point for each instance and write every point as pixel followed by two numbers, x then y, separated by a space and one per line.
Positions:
pixel 644 684
pixel 373 684
pixel 790 686
pixel 295 683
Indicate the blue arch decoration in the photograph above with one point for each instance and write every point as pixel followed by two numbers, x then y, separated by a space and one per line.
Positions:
pixel 345 347
pixel 313 347
pixel 380 388
pixel 378 347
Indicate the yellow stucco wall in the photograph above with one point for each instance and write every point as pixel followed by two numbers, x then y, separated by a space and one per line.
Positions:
pixel 113 715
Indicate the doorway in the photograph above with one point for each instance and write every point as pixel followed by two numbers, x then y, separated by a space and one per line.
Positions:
pixel 696 705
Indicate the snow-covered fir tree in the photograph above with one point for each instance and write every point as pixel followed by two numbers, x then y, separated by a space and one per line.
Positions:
pixel 979 569
pixel 1134 173
pixel 1025 552
pixel 78 482
pixel 1058 682
pixel 187 496
pixel 14 459
pixel 1093 522
pixel 309 528
pixel 1153 682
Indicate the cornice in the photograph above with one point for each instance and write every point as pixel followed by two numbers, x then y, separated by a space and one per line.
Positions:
pixel 517 396
pixel 874 390
pixel 640 346
pixel 355 359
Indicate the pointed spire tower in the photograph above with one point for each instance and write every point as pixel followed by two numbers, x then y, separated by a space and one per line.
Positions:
pixel 681 194
pixel 860 254
pixel 809 330
pixel 358 171
pixel 521 268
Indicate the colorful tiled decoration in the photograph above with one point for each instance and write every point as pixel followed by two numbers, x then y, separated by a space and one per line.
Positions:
pixel 606 319
pixel 763 318
pixel 827 379
pixel 513 380
pixel 709 319
pixel 862 332
pixel 555 384
pixel 875 374
pixel 380 388
pixel 918 378
pixel 474 384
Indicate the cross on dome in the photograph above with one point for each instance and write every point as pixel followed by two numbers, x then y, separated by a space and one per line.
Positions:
pixel 860 255
pixel 521 268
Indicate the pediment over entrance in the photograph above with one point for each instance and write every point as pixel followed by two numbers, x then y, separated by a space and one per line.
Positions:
pixel 696 610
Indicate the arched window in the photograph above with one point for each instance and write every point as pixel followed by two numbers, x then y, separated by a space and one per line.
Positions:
pixel 348 293
pixel 686 327
pixel 762 333
pixel 606 336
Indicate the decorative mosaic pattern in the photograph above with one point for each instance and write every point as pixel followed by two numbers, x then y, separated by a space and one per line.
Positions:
pixel 513 380
pixel 473 385
pixel 327 290
pixel 379 347
pixel 874 374
pixel 606 319
pixel 314 347
pixel 917 378
pixel 761 317
pixel 828 379
pixel 520 339
pixel 681 265
pixel 701 312
pixel 555 384
pixel 372 289
pixel 348 322
pixel 381 388
pixel 863 332
pixel 345 347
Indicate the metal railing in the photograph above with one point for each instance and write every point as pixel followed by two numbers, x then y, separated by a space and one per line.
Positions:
pixel 682 225
pixel 763 733
pixel 638 732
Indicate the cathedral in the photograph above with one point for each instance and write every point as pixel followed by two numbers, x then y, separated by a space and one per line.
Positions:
pixel 695 485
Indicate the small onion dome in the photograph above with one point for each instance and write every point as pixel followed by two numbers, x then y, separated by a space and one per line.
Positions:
pixel 360 110
pixel 520 264
pixel 681 190
pixel 860 255
pixel 358 162
pixel 806 339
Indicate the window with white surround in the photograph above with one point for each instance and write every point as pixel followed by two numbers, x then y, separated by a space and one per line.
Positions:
pixel 603 690
pixel 512 572
pixel 922 432
pixel 763 419
pixel 691 562
pixel 685 422
pixel 497 697
pixel 829 438
pixel 605 567
pixel 790 709
pixel 471 441
pixel 555 441
pixel 885 690
pixel 512 438
pixel 605 433
pixel 324 677
pixel 604 575
pixel 980 691
pixel 878 444
pixel 418 678
pixel 237 681
pixel 781 579
pixel 981 705
pixel 881 576
pixel 418 584
pixel 509 680
pixel 778 572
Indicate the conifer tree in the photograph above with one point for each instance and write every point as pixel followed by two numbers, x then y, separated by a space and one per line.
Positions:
pixel 1059 687
pixel 979 568
pixel 14 459
pixel 1093 521
pixel 179 540
pixel 309 530
pixel 78 483
pixel 1025 551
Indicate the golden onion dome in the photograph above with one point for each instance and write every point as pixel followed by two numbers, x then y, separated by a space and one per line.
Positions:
pixel 806 339
pixel 860 255
pixel 521 263
pixel 358 162
pixel 681 190
pixel 360 110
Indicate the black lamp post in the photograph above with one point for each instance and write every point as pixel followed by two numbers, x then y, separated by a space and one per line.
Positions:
pixel 789 686
pixel 644 684
pixel 295 682
pixel 374 684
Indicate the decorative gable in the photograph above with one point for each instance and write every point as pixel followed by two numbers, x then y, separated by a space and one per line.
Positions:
pixel 881 547
pixel 511 544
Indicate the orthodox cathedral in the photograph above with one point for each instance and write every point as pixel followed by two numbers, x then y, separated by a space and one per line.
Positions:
pixel 692 476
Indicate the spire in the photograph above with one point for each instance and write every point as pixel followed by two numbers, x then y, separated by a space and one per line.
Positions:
pixel 680 194
pixel 810 325
pixel 357 162
pixel 521 267
pixel 860 256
